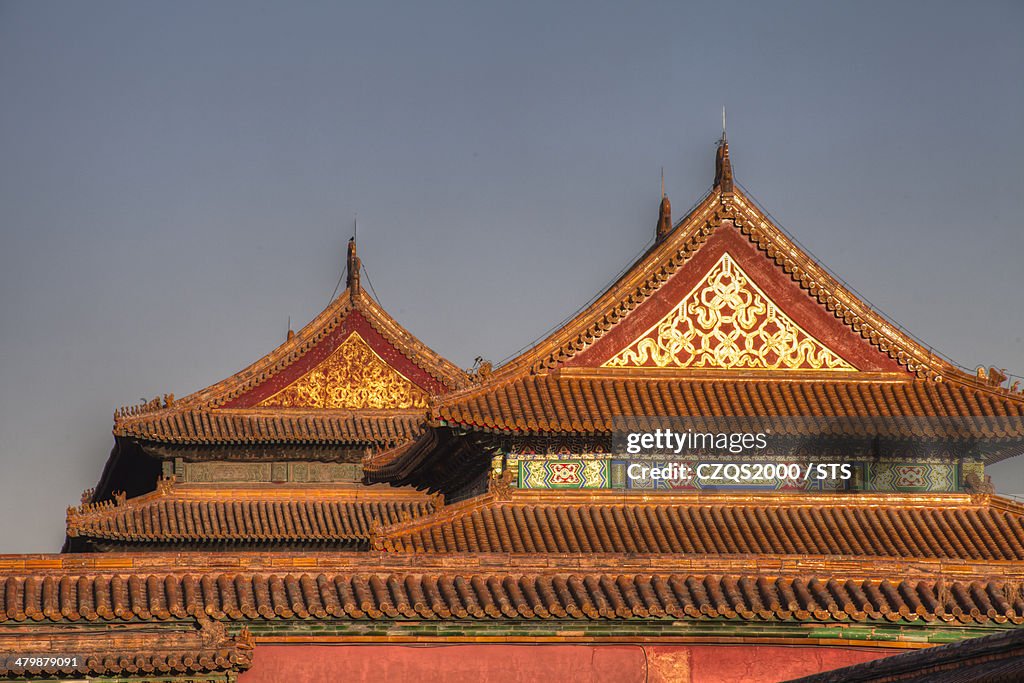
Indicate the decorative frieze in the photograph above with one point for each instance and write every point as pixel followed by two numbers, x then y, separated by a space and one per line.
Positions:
pixel 604 471
pixel 226 472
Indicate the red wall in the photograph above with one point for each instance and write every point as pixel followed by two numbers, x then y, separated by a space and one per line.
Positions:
pixel 524 663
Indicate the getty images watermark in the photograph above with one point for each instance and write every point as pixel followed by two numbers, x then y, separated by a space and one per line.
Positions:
pixel 812 453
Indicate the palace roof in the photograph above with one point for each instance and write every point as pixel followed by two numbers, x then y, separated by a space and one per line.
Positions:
pixel 764 302
pixel 950 526
pixel 158 587
pixel 724 316
pixel 128 651
pixel 206 515
pixel 587 402
pixel 351 376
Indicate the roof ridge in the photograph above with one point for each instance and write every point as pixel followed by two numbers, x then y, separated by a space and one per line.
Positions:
pixel 439 367
pixel 293 349
pixel 286 353
pixel 639 282
pixel 382 539
pixel 666 256
pixel 822 286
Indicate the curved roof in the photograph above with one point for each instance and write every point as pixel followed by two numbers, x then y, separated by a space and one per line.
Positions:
pixel 272 516
pixel 950 526
pixel 351 376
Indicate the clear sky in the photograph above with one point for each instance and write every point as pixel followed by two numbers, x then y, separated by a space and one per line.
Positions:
pixel 177 179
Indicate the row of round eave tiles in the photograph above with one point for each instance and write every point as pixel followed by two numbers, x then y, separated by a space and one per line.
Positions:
pixel 728 530
pixel 284 520
pixel 592 597
pixel 109 664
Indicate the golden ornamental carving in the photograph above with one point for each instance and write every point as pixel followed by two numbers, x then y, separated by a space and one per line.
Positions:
pixel 352 377
pixel 726 321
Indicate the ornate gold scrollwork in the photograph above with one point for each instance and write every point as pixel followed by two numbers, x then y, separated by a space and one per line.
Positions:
pixel 726 321
pixel 352 377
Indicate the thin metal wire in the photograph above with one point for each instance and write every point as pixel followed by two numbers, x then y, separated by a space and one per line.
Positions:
pixel 370 282
pixel 889 318
pixel 572 315
pixel 775 221
pixel 337 286
pixel 647 245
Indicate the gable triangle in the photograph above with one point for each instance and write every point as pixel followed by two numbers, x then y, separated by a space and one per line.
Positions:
pixel 353 377
pixel 727 322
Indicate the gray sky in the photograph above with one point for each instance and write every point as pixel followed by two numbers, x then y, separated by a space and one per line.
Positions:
pixel 177 179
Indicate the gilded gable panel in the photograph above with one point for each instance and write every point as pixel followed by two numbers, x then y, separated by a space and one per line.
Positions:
pixel 352 377
pixel 728 322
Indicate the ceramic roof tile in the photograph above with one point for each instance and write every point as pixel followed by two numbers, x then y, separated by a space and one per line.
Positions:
pixel 478 591
pixel 952 526
pixel 277 515
pixel 567 402
pixel 126 652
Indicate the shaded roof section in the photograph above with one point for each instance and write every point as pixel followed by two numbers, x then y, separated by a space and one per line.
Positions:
pixel 998 658
pixel 129 652
pixel 351 376
pixel 951 526
pixel 268 516
pixel 158 586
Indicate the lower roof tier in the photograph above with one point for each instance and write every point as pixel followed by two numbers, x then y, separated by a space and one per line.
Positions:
pixel 205 515
pixel 159 587
pixel 137 651
pixel 509 520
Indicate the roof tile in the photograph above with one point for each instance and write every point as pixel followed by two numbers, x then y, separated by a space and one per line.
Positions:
pixel 266 515
pixel 951 526
pixel 567 401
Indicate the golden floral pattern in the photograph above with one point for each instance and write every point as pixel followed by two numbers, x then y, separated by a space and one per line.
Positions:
pixel 352 377
pixel 726 321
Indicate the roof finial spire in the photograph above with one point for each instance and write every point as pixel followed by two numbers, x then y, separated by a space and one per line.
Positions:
pixel 353 267
pixel 723 167
pixel 664 212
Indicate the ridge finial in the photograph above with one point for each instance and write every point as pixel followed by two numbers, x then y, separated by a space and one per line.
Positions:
pixel 664 212
pixel 353 266
pixel 723 167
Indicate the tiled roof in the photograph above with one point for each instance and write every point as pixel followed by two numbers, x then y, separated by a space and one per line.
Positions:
pixel 125 652
pixel 587 403
pixel 272 427
pixel 267 515
pixel 726 209
pixel 76 589
pixel 890 525
pixel 210 416
pixel 997 658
